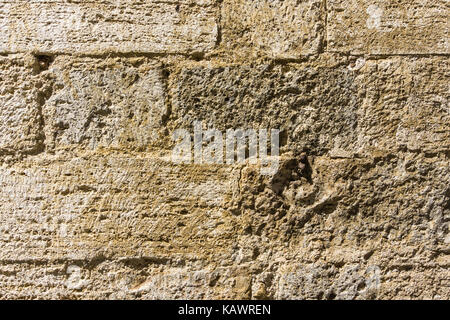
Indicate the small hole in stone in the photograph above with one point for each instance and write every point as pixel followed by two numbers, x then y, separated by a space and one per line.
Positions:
pixel 361 286
pixel 44 61
pixel 331 296
pixel 197 56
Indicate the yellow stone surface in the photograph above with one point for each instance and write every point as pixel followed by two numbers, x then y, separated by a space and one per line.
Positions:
pixel 92 205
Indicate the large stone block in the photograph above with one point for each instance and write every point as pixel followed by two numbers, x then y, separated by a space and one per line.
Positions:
pixel 388 27
pixel 185 26
pixel 355 107
pixel 310 104
pixel 347 228
pixel 22 93
pixel 92 206
pixel 117 103
pixel 404 104
pixel 280 29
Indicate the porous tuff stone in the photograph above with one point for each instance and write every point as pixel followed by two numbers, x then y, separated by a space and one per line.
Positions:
pixel 105 102
pixel 388 27
pixel 279 29
pixel 184 26
pixel 92 205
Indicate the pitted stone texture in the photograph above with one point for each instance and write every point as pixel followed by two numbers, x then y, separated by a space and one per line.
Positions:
pixel 348 228
pixel 81 26
pixel 126 226
pixel 117 226
pixel 111 205
pixel 92 207
pixel 105 103
pixel 388 27
pixel 280 29
pixel 405 104
pixel 354 108
pixel 22 93
pixel 286 97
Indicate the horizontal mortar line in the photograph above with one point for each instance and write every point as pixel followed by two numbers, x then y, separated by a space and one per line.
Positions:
pixel 387 55
pixel 76 260
pixel 122 259
pixel 169 2
pixel 103 54
pixel 40 261
pixel 205 58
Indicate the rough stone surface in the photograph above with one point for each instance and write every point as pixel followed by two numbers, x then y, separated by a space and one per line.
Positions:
pixel 105 102
pixel 22 93
pixel 388 27
pixel 147 26
pixel 354 108
pixel 279 29
pixel 93 207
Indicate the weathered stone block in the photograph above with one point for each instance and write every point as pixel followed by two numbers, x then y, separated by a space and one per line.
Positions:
pixel 22 93
pixel 281 29
pixel 405 104
pixel 105 103
pixel 310 104
pixel 388 27
pixel 184 26
pixel 111 206
pixel 357 107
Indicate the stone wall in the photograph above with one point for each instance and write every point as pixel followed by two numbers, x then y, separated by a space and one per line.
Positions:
pixel 93 207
